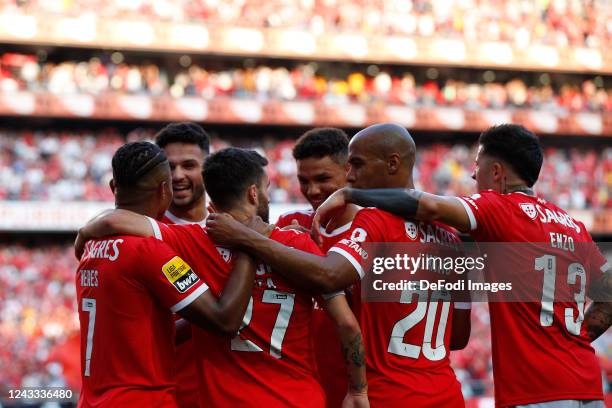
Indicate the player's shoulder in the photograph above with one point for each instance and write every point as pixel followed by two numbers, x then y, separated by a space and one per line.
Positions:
pixel 377 216
pixel 303 217
pixel 292 238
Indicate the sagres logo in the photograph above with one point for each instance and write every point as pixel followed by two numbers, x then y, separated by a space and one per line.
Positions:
pixel 179 274
pixel 530 210
pixel 411 230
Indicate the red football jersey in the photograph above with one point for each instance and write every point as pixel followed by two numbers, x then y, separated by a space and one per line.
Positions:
pixel 186 373
pixel 303 217
pixel 402 366
pixel 127 289
pixel 537 355
pixel 270 362
pixel 330 363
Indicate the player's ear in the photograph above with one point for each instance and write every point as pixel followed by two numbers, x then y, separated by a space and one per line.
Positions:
pixel 252 195
pixel 393 163
pixel 498 171
pixel 111 183
pixel 164 190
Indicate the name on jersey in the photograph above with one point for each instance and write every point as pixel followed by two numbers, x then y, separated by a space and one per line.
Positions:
pixel 561 241
pixel 89 278
pixel 355 247
pixel 431 233
pixel 179 274
pixel 107 249
pixel 546 215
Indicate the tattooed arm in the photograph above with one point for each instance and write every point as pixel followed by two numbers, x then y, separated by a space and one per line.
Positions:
pixel 353 350
pixel 598 317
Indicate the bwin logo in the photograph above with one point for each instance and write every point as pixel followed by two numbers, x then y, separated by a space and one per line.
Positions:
pixel 185 283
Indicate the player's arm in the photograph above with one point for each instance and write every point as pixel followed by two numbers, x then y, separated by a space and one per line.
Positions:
pixel 598 317
pixel 225 313
pixel 351 340
pixel 182 331
pixel 461 328
pixel 406 203
pixel 312 272
pixel 112 222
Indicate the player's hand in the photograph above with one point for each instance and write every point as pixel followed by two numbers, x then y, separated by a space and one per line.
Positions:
pixel 334 204
pixel 224 229
pixel 356 400
pixel 295 226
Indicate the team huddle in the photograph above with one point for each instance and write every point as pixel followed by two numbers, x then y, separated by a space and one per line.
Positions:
pixel 184 305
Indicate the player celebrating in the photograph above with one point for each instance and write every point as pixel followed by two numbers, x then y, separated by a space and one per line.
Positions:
pixel 270 361
pixel 402 368
pixel 128 287
pixel 186 145
pixel 557 366
pixel 321 155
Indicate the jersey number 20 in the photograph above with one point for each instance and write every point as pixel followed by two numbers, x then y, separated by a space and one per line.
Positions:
pixel 431 351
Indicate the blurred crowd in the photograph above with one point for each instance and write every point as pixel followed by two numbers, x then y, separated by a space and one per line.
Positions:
pixel 38 315
pixel 559 23
pixel 310 81
pixel 70 165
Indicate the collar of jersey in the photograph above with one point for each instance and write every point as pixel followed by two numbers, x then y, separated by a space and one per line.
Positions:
pixel 178 220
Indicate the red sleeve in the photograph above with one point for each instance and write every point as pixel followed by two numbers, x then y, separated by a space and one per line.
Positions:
pixel 284 220
pixel 303 218
pixel 167 276
pixel 368 226
pixel 481 209
pixel 303 242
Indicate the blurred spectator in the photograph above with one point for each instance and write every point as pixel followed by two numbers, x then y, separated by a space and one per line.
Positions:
pixel 302 82
pixel 66 166
pixel 38 315
pixel 559 23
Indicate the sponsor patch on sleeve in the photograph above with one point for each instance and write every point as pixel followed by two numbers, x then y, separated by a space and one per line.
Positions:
pixel 179 274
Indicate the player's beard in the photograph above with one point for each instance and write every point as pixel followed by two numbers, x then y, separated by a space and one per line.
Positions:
pixel 196 195
pixel 263 209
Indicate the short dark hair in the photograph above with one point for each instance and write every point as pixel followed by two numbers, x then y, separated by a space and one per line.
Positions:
pixel 134 161
pixel 229 172
pixel 183 132
pixel 321 142
pixel 517 146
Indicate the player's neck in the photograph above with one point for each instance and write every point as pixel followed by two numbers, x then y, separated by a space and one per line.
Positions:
pixel 194 213
pixel 240 214
pixel 148 210
pixel 519 188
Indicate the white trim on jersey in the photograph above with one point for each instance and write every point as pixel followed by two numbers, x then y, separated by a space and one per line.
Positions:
pixel 605 268
pixel 189 299
pixel 156 230
pixel 462 305
pixel 183 221
pixel 335 232
pixel 470 213
pixel 351 259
